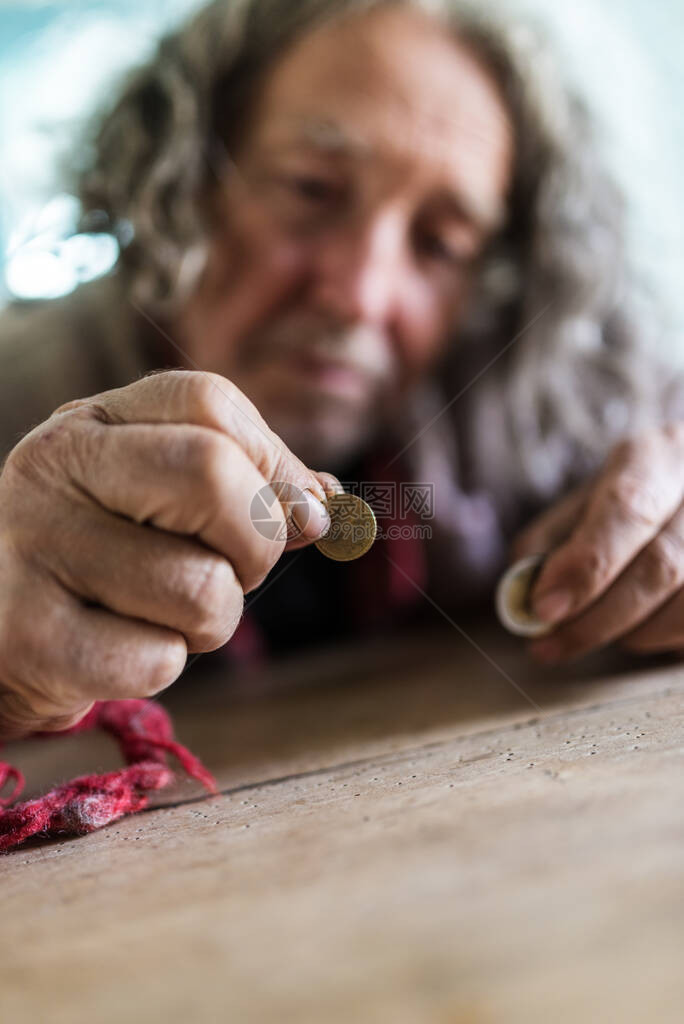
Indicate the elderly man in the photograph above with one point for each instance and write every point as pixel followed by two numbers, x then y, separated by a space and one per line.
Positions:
pixel 361 239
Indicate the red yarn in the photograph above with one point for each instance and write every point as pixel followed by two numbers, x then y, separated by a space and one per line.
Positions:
pixel 145 734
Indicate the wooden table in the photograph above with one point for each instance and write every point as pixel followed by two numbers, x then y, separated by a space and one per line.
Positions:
pixel 401 837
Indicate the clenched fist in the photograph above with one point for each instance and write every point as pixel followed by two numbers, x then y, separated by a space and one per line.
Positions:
pixel 126 540
pixel 616 571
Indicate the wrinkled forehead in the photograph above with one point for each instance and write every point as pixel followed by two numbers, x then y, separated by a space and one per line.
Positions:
pixel 393 85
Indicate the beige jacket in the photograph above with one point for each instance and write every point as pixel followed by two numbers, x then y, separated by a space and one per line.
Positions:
pixel 54 351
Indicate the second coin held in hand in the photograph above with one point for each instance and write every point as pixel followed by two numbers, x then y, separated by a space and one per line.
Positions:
pixel 513 598
pixel 353 528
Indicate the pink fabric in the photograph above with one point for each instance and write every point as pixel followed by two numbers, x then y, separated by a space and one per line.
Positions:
pixel 145 735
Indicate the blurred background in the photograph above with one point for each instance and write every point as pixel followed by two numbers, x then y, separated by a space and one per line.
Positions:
pixel 59 60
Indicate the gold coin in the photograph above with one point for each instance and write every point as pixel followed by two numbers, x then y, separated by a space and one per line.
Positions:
pixel 352 528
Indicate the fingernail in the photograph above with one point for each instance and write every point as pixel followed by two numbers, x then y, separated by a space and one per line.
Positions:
pixel 554 605
pixel 330 483
pixel 313 521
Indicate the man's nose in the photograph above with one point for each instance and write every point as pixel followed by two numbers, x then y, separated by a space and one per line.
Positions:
pixel 361 270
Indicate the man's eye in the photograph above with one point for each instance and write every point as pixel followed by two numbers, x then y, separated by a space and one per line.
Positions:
pixel 436 248
pixel 315 190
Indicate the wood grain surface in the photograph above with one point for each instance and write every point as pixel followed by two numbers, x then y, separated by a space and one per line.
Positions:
pixel 413 830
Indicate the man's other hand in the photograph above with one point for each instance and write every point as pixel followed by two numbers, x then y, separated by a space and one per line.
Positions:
pixel 615 570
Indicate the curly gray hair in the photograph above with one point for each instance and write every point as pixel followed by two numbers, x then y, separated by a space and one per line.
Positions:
pixel 556 280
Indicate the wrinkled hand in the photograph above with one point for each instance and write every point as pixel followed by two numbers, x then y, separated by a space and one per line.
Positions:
pixel 126 541
pixel 616 568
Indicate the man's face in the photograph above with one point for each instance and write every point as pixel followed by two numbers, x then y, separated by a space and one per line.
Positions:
pixel 372 173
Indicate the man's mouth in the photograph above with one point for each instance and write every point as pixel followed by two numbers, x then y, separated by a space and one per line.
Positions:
pixel 335 377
